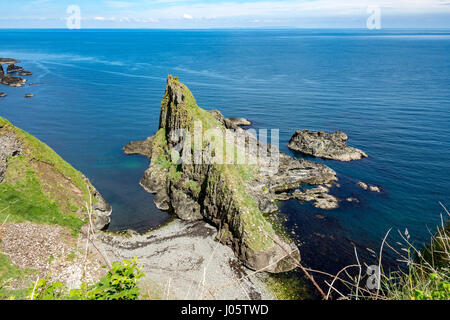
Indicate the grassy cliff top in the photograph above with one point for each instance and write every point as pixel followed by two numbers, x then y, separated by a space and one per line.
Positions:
pixel 39 186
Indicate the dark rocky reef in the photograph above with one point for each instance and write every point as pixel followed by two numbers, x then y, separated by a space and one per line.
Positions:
pixel 232 197
pixel 325 145
pixel 7 78
pixel 2 94
pixel 13 81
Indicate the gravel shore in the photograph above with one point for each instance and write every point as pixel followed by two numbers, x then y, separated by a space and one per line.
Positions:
pixel 182 260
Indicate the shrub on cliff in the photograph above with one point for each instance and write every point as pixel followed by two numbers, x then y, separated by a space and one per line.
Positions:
pixel 121 283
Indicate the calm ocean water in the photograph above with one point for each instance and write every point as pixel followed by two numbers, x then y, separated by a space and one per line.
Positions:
pixel 388 90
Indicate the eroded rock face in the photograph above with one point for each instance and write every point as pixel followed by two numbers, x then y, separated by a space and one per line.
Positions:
pixel 142 147
pixel 2 72
pixel 325 145
pixel 231 197
pixel 9 146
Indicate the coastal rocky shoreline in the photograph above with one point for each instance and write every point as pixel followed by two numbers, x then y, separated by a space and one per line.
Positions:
pixel 222 235
pixel 232 198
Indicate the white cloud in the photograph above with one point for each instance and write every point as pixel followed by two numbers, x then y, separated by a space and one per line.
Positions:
pixel 118 4
pixel 287 8
pixel 187 16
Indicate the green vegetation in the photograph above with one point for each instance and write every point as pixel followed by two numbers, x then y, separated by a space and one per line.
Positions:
pixel 428 275
pixel 288 286
pixel 34 149
pixel 10 273
pixel 39 186
pixel 22 198
pixel 193 186
pixel 121 283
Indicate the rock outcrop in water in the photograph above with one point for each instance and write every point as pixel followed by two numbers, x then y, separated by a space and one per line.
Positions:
pixel 142 147
pixel 232 197
pixel 12 68
pixel 365 186
pixel 6 78
pixel 240 122
pixel 12 81
pixel 36 179
pixel 325 145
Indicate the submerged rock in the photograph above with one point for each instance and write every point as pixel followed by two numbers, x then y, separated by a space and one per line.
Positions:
pixel 55 184
pixel 2 94
pixel 232 197
pixel 325 145
pixel 142 147
pixel 320 196
pixel 365 186
pixel 29 95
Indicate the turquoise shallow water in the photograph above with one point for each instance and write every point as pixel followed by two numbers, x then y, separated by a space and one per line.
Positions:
pixel 388 90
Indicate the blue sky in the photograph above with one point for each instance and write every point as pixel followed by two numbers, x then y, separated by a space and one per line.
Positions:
pixel 224 13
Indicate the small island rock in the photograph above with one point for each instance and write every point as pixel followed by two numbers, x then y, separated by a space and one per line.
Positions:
pixel 325 145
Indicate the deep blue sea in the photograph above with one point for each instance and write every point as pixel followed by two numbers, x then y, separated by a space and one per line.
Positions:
pixel 389 90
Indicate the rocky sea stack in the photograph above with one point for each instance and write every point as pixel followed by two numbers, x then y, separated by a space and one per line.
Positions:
pixel 325 145
pixel 233 197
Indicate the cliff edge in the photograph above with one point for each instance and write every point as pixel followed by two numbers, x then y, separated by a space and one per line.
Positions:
pixel 37 185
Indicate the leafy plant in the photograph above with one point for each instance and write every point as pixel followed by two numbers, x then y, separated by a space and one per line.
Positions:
pixel 121 283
